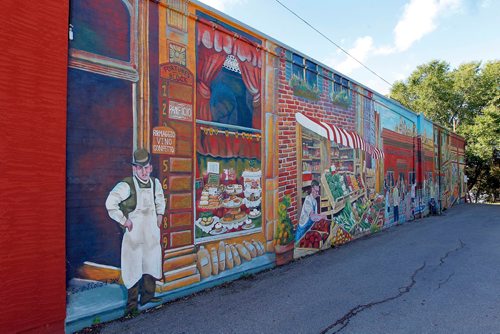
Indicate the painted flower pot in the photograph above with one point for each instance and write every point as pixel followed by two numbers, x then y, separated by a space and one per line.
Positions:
pixel 284 253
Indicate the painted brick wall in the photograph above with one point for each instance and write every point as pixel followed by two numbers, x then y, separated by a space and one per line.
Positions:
pixel 289 104
pixel 34 36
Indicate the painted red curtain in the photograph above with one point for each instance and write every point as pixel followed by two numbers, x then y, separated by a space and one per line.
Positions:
pixel 209 65
pixel 251 78
pixel 215 43
pixel 226 146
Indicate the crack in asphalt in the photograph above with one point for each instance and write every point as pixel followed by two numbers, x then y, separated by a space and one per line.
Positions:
pixel 441 260
pixel 344 321
pixel 445 281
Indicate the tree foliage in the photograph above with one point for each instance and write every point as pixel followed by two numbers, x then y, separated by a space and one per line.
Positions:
pixel 469 98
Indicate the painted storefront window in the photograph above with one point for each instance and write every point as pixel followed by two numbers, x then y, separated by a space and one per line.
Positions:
pixel 336 204
pixel 229 170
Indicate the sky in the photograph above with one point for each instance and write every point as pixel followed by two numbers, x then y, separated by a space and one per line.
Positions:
pixel 391 37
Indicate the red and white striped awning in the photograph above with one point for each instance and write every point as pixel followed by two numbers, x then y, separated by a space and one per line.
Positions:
pixel 338 135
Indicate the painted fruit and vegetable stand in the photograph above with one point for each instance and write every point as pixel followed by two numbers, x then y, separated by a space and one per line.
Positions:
pixel 351 210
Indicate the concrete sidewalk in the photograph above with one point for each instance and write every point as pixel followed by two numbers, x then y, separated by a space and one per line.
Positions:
pixel 434 275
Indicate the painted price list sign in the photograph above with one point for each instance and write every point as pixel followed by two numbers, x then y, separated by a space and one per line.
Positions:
pixel 163 140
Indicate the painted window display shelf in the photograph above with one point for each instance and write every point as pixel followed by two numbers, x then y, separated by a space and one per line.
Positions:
pixel 343 158
pixel 338 202
pixel 313 167
pixel 311 158
pixel 227 235
pixel 229 210
pixel 220 230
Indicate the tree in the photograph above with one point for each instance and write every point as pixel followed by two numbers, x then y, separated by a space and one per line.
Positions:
pixel 429 89
pixel 466 99
pixel 483 145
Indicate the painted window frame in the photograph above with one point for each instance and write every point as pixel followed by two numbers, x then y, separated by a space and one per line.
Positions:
pixel 305 70
pixel 92 62
pixel 230 127
pixel 340 84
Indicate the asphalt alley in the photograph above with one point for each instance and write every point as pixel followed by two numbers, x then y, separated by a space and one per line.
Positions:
pixel 435 275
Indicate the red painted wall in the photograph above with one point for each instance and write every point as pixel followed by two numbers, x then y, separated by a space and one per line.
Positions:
pixel 33 35
pixel 399 152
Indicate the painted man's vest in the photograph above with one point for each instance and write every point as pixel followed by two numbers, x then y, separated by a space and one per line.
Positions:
pixel 129 204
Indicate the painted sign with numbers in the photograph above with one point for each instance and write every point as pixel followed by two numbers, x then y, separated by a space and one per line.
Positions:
pixel 163 140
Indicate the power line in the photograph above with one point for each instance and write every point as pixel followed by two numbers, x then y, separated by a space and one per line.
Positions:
pixel 338 46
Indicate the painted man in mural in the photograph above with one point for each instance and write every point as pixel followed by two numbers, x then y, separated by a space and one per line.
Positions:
pixel 413 195
pixel 137 203
pixel 396 201
pixel 432 200
pixel 309 213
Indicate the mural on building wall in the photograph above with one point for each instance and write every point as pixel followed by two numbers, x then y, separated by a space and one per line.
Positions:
pixel 199 151
pixel 445 170
pixel 151 210
pixel 112 244
pixel 426 181
pixel 229 178
pixel 101 102
pixel 229 172
pixel 339 159
pixel 450 168
pixel 446 160
pixel 399 138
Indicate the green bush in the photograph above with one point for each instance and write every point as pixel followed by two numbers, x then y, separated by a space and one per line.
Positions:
pixel 301 88
pixel 284 231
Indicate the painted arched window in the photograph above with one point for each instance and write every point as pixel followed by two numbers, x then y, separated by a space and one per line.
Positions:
pixel 102 27
pixel 104 37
